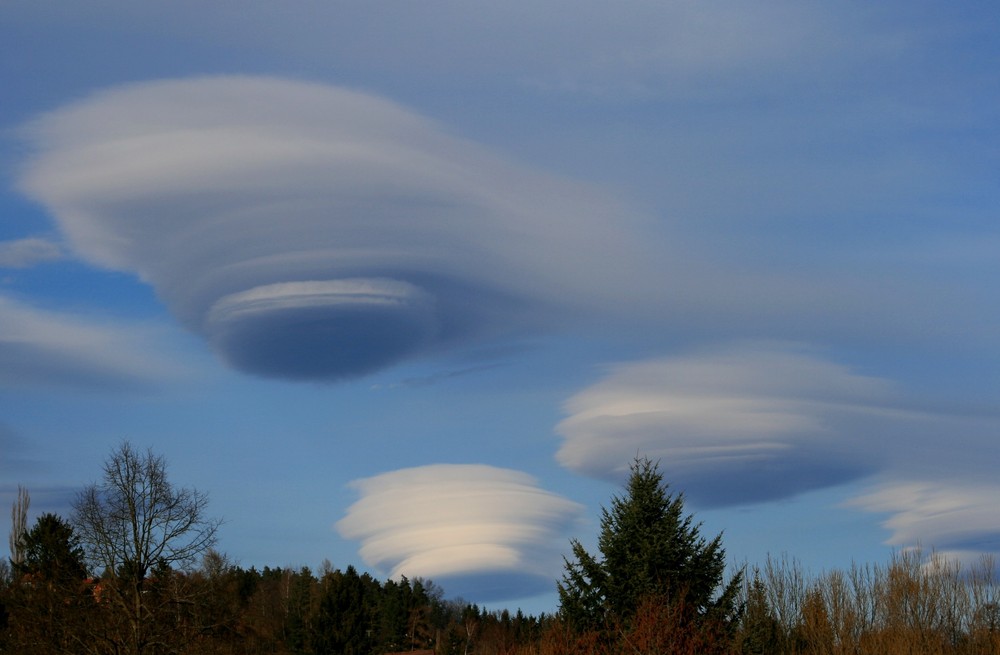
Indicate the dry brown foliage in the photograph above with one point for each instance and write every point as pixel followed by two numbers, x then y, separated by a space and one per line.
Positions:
pixel 916 604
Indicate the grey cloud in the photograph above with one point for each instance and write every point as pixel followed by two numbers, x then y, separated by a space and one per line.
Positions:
pixel 588 47
pixel 310 329
pixel 482 532
pixel 15 456
pixel 308 231
pixel 25 253
pixel 45 497
pixel 434 378
pixel 21 464
pixel 46 348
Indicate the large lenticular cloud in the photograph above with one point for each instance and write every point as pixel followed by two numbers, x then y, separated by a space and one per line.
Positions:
pixel 484 533
pixel 308 231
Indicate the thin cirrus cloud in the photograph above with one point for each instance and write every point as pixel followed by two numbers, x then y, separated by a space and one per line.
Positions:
pixel 477 529
pixel 311 232
pixel 44 348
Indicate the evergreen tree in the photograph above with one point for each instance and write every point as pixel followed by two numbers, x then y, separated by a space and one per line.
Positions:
pixel 49 601
pixel 394 614
pixel 648 548
pixel 760 631
pixel 51 551
pixel 345 618
pixel 299 609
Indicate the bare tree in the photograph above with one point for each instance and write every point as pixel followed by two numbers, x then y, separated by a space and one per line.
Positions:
pixel 138 530
pixel 19 525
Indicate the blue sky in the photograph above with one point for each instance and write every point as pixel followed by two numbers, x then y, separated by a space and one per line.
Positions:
pixel 408 285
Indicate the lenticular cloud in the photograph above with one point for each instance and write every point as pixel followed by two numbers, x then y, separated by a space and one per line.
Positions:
pixel 743 424
pixel 482 532
pixel 308 231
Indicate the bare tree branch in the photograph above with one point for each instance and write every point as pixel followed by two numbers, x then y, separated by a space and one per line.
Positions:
pixel 135 525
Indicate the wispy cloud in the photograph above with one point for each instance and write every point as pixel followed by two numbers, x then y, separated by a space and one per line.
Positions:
pixel 46 348
pixel 25 253
pixel 16 453
pixel 478 530
pixel 434 378
pixel 959 518
pixel 22 465
pixel 308 231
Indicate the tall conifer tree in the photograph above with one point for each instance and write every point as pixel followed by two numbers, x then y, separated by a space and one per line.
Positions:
pixel 648 548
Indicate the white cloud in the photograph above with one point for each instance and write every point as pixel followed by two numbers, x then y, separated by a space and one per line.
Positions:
pixel 46 348
pixel 482 532
pixel 342 230
pixel 25 253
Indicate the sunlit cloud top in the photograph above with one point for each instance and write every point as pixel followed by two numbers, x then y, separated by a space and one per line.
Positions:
pixel 475 528
pixel 309 231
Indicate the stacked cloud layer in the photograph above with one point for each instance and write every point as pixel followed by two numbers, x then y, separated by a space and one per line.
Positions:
pixel 731 426
pixel 475 529
pixel 312 232
pixel 757 421
pixel 754 422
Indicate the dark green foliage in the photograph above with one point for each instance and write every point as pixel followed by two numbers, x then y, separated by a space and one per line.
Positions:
pixel 648 547
pixel 346 616
pixel 402 625
pixel 48 599
pixel 299 606
pixel 52 552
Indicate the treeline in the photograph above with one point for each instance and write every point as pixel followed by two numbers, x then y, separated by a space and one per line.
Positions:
pixel 220 608
pixel 907 606
pixel 656 586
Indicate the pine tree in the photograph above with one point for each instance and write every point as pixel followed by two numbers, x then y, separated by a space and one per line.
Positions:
pixel 51 551
pixel 345 617
pixel 648 548
pixel 49 600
